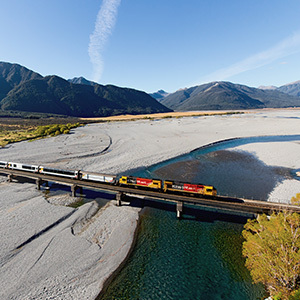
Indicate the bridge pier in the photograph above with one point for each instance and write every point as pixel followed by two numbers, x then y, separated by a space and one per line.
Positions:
pixel 9 177
pixel 38 182
pixel 119 197
pixel 73 190
pixel 179 209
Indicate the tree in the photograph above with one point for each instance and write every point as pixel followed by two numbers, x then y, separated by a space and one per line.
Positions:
pixel 272 251
pixel 296 200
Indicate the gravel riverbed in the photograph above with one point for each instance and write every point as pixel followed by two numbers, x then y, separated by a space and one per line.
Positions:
pixel 51 251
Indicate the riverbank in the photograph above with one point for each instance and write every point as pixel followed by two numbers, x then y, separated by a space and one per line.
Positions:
pixel 281 154
pixel 55 251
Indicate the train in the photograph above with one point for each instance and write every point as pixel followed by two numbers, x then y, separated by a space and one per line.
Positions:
pixel 166 186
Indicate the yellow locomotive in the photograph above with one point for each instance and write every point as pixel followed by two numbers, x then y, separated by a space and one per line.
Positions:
pixel 168 185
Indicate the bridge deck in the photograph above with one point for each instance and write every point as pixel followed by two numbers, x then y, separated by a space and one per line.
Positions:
pixel 219 202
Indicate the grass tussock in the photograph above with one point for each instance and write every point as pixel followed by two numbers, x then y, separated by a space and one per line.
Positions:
pixel 32 132
pixel 159 116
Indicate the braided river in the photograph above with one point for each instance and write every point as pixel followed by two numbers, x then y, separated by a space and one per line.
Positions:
pixel 199 256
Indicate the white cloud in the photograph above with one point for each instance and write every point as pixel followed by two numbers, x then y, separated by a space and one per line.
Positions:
pixel 286 47
pixel 104 25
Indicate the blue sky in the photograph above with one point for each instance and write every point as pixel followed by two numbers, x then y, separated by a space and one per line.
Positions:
pixel 157 44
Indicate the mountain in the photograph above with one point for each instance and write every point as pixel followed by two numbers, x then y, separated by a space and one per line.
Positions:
pixel 81 80
pixel 25 90
pixel 159 95
pixel 226 95
pixel 56 95
pixel 291 88
pixel 12 75
pixel 269 87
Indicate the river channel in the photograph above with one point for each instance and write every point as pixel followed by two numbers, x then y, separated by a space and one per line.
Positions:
pixel 199 256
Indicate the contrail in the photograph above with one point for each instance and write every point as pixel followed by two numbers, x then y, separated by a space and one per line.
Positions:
pixel 104 25
pixel 286 47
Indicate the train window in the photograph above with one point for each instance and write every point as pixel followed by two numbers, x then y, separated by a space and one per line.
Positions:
pixel 50 170
pixel 14 165
pixel 59 171
pixel 69 172
pixel 65 172
pixel 131 180
pixel 27 167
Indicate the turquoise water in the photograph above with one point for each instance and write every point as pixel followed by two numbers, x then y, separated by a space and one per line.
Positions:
pixel 233 173
pixel 199 256
pixel 185 259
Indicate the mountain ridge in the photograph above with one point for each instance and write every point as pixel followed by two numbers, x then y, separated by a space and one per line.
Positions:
pixel 226 95
pixel 159 95
pixel 292 88
pixel 81 80
pixel 24 90
pixel 12 75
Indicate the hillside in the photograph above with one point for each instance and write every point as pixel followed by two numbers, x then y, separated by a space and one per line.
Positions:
pixel 12 75
pixel 25 90
pixel 55 95
pixel 291 88
pixel 226 95
pixel 159 95
pixel 81 80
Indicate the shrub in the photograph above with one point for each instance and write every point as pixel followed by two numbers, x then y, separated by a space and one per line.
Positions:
pixel 272 251
pixel 296 200
pixel 295 295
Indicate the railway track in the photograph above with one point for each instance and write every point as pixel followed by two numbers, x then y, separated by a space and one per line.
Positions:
pixel 218 202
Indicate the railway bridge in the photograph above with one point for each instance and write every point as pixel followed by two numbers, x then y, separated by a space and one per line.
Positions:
pixel 226 204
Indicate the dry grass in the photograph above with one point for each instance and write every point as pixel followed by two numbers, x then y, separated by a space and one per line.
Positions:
pixel 179 114
pixel 19 129
pixel 7 137
pixel 161 116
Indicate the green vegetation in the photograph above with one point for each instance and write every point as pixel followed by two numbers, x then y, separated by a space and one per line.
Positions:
pixel 28 115
pixel 296 200
pixel 78 203
pixel 34 132
pixel 54 130
pixel 272 251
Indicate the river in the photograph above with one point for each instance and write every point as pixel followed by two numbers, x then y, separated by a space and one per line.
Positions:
pixel 199 256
